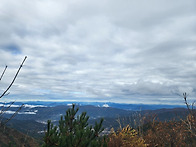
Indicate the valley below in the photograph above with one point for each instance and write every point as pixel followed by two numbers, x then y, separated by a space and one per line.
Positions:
pixel 32 118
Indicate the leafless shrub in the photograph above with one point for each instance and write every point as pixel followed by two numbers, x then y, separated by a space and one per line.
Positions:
pixel 190 121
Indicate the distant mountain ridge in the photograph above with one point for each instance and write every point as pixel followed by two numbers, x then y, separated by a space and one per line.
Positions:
pixel 133 107
pixel 43 111
pixel 34 115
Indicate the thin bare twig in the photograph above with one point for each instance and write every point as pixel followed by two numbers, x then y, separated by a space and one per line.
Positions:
pixel 2 108
pixel 3 72
pixel 15 113
pixel 191 118
pixel 5 109
pixel 13 78
pixel 187 105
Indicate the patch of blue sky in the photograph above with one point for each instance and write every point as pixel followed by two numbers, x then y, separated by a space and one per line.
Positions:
pixel 13 48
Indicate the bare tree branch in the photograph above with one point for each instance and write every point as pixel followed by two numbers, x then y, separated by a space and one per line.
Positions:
pixel 15 113
pixel 4 109
pixel 13 78
pixel 190 121
pixel 3 72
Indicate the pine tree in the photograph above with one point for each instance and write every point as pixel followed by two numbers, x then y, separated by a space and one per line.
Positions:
pixel 73 131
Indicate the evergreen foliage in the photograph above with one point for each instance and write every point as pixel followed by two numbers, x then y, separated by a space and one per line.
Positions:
pixel 73 131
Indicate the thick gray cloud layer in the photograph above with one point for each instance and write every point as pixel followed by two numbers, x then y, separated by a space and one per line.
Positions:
pixel 132 51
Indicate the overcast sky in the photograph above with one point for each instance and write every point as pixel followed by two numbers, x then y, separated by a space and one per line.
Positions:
pixel 128 51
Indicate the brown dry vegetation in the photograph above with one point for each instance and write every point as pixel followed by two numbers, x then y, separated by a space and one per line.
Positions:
pixel 127 137
pixel 12 138
pixel 156 133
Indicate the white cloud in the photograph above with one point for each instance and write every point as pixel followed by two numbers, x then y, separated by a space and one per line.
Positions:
pixel 98 50
pixel 12 112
